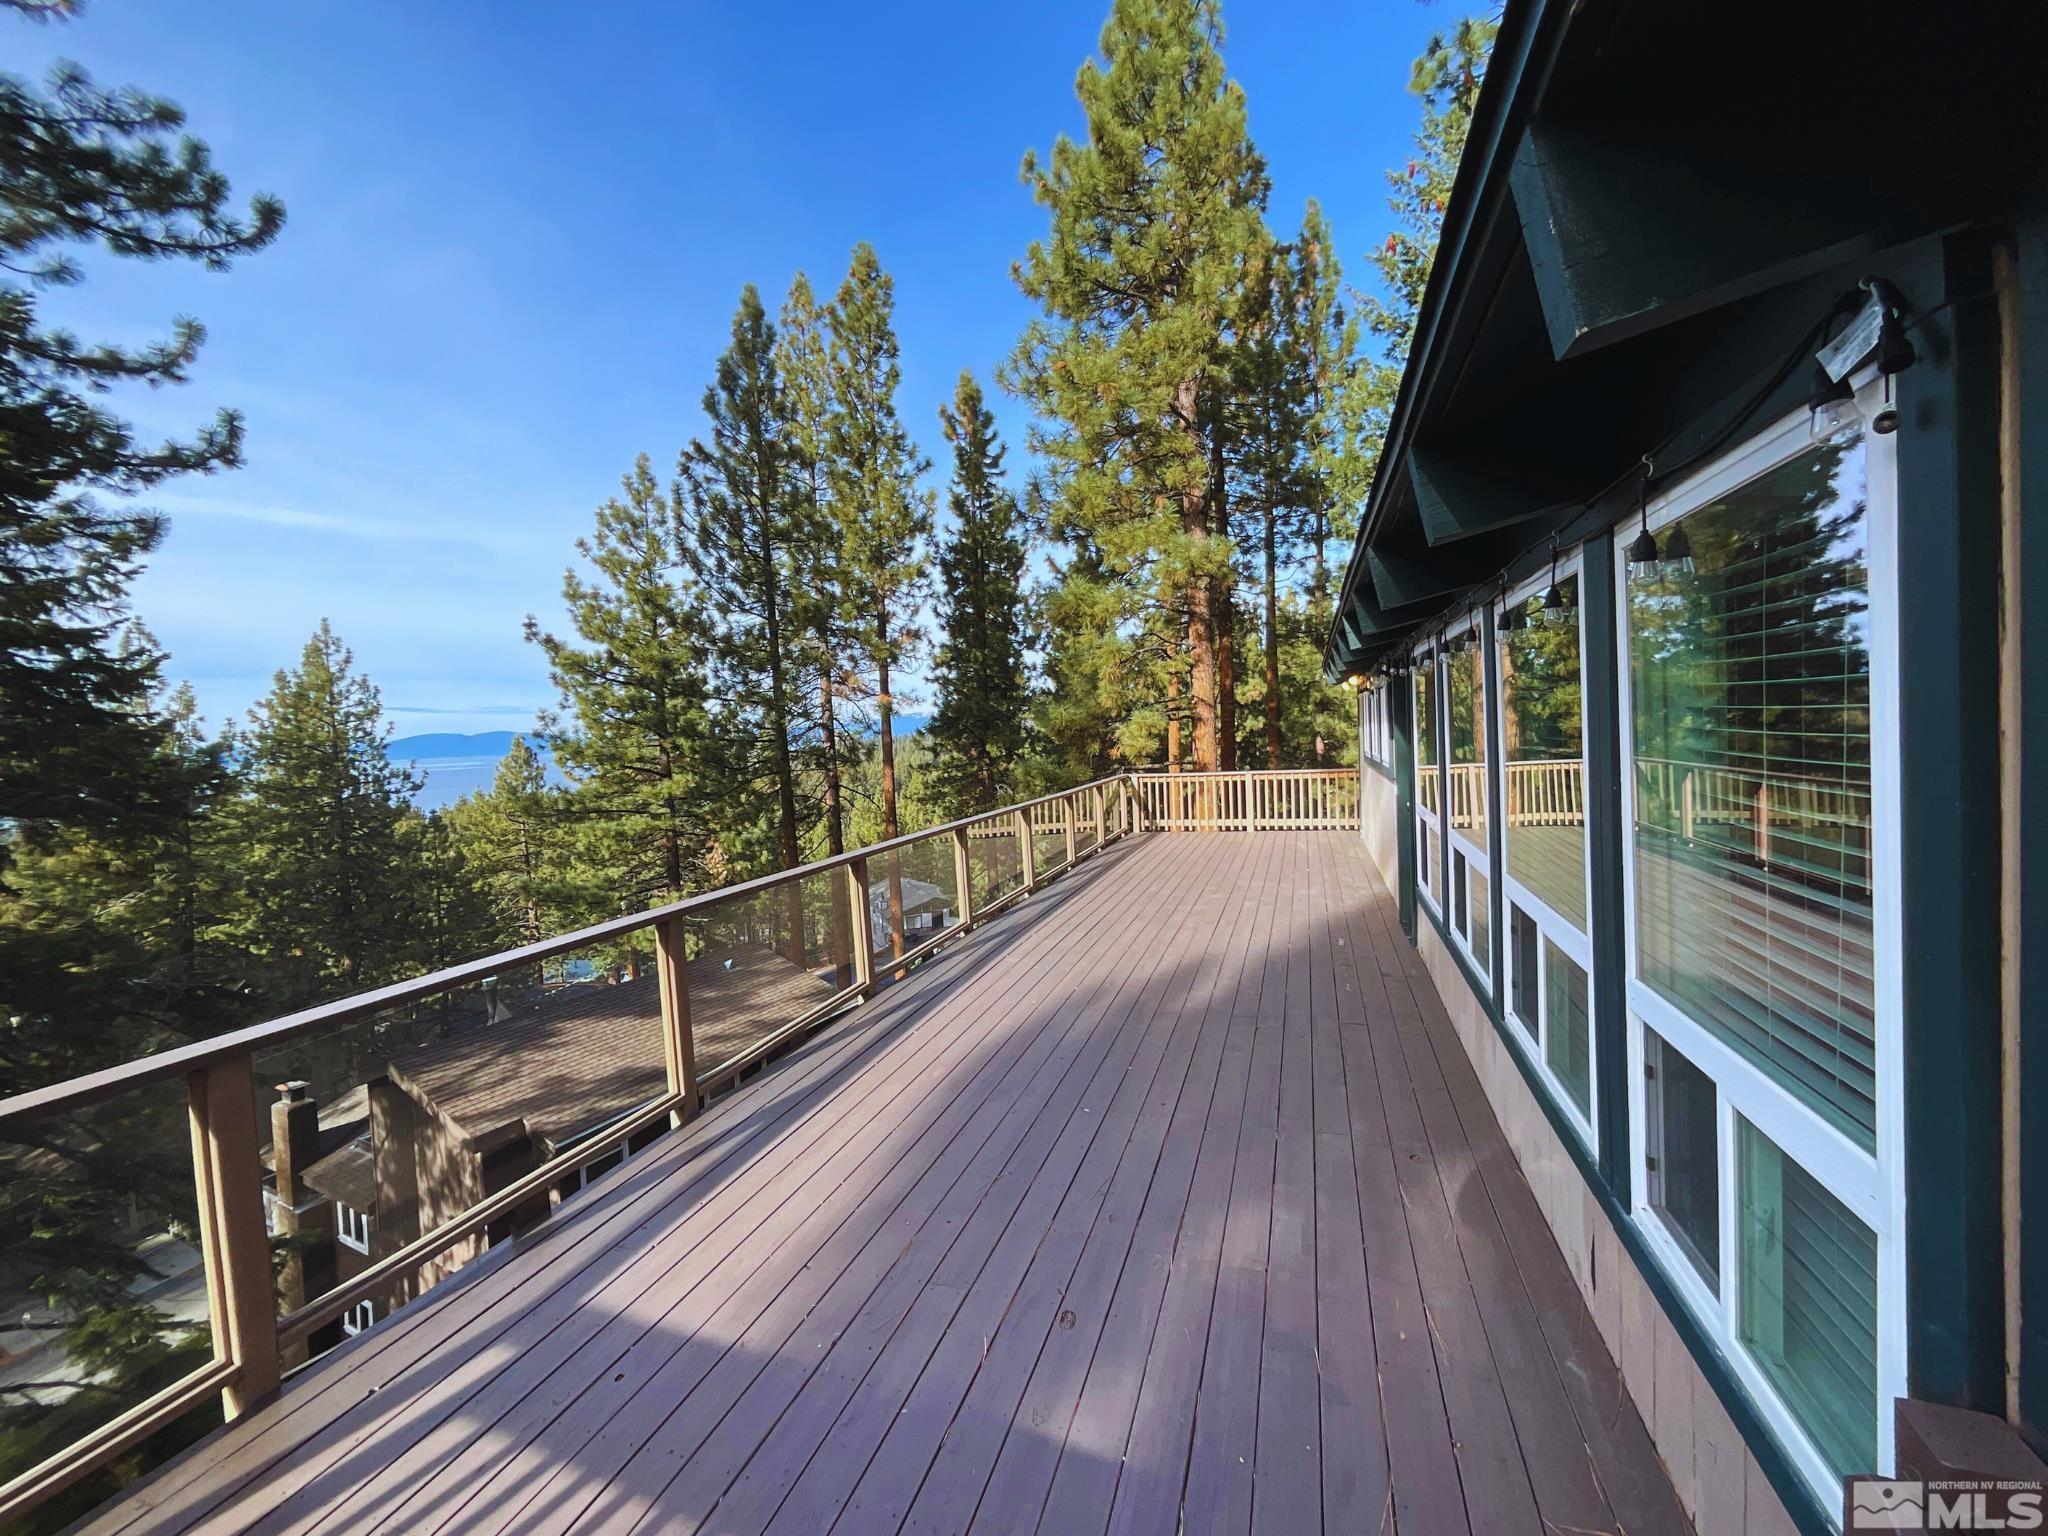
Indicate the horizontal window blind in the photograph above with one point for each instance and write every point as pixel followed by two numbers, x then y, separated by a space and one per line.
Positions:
pixel 1750 688
pixel 1808 1276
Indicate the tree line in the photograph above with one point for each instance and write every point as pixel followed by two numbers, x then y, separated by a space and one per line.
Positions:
pixel 743 616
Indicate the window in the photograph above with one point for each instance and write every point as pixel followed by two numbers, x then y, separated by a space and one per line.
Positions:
pixel 352 1227
pixel 1542 801
pixel 358 1317
pixel 1683 1157
pixel 1760 721
pixel 1522 972
pixel 1808 1307
pixel 1750 681
pixel 1428 782
pixel 1375 725
pixel 1471 792
pixel 1543 767
pixel 1567 1027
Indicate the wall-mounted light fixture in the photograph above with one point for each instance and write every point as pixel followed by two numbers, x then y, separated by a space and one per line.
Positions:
pixel 1642 550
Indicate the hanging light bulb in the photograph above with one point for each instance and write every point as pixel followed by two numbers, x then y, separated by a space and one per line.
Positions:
pixel 1642 550
pixel 1556 601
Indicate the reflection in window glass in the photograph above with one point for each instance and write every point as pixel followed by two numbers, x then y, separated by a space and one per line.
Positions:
pixel 1683 1155
pixel 1543 752
pixel 1522 958
pixel 1809 1301
pixel 1568 1046
pixel 1465 694
pixel 1481 935
pixel 1425 736
pixel 1750 686
pixel 1458 908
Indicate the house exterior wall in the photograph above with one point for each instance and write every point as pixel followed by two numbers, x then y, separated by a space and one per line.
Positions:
pixel 1723 1487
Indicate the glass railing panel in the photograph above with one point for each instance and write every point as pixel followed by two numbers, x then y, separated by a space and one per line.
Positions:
pixel 995 859
pixel 1049 835
pixel 383 1129
pixel 1087 827
pixel 103 1294
pixel 760 961
pixel 913 896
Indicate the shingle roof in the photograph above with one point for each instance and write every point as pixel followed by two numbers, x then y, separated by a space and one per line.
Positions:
pixel 590 1053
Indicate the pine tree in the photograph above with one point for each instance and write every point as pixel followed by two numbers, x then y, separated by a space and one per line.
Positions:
pixel 86 167
pixel 885 520
pixel 450 909
pixel 977 730
pixel 1155 220
pixel 109 871
pixel 744 528
pixel 634 731
pixel 329 878
pixel 803 361
pixel 1447 77
pixel 516 838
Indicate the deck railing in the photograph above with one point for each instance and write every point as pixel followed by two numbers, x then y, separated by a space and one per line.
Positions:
pixel 1249 800
pixel 768 959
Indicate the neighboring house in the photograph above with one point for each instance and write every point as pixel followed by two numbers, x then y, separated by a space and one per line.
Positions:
pixel 926 908
pixel 448 1124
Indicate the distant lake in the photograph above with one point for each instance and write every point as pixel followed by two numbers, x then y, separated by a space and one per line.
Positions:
pixel 455 765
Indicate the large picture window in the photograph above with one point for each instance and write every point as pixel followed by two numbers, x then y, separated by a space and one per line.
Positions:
pixel 1762 1005
pixel 1542 796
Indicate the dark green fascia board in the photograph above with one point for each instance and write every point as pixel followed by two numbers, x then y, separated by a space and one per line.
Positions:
pixel 1454 503
pixel 1626 235
pixel 1403 579
pixel 1531 34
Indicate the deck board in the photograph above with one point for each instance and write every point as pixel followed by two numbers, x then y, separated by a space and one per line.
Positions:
pixel 1166 1202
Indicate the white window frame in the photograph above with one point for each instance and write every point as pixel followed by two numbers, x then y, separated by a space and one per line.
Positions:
pixel 358 1317
pixel 1870 1187
pixel 1424 660
pixel 1456 842
pixel 352 1227
pixel 1551 925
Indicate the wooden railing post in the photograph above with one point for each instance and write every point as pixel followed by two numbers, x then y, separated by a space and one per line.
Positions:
pixel 1101 818
pixel 863 925
pixel 678 1041
pixel 963 877
pixel 1068 810
pixel 1028 846
pixel 234 1240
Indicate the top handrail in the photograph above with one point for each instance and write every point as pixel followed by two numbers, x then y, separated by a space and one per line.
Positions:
pixel 96 1087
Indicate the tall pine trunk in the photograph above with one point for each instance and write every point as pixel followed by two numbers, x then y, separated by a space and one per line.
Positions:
pixel 1194 521
pixel 1225 607
pixel 1172 714
pixel 889 827
pixel 1272 551
pixel 785 768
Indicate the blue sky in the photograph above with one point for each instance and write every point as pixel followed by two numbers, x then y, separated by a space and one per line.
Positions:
pixel 517 233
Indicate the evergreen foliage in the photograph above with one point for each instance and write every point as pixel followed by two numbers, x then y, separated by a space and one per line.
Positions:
pixel 885 519
pixel 745 522
pixel 328 886
pixel 634 728
pixel 1156 220
pixel 978 729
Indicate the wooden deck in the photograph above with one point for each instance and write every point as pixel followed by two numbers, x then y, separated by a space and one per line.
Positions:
pixel 1166 1202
